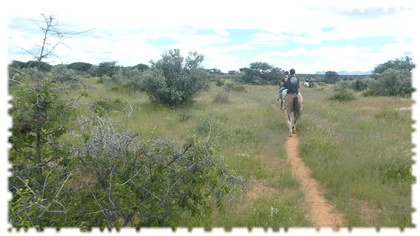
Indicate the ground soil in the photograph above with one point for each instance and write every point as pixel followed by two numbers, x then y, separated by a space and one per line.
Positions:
pixel 321 213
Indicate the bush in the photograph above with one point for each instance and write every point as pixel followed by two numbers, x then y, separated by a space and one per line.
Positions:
pixel 80 66
pixel 220 82
pixel 368 93
pixel 175 80
pixel 261 73
pixel 107 68
pixel 118 77
pixel 238 87
pixel 222 97
pixel 136 78
pixel 341 85
pixel 61 74
pixel 105 80
pixel 343 96
pixel 361 84
pixel 94 71
pixel 331 77
pixel 110 105
pixel 392 83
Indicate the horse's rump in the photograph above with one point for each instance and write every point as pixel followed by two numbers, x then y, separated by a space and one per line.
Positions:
pixel 292 102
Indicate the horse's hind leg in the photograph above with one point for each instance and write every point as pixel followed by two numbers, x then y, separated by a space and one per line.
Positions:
pixel 289 122
pixel 294 125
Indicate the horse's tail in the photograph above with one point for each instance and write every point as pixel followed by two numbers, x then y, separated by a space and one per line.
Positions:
pixel 296 106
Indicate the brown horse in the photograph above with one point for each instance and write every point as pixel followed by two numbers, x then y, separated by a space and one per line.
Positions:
pixel 292 104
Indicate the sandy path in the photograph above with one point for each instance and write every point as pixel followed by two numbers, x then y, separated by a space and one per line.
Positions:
pixel 319 211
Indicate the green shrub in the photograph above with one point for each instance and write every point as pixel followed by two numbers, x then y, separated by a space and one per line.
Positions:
pixel 222 97
pixel 341 85
pixel 220 82
pixel 368 93
pixel 61 74
pixel 105 80
pixel 361 84
pixel 238 87
pixel 175 80
pixel 392 82
pixel 343 96
pixel 107 68
pixel 136 78
pixel 118 77
pixel 109 105
pixel 128 87
pixel 80 66
pixel 94 71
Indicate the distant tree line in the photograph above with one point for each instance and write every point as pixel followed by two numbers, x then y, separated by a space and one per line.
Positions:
pixel 392 78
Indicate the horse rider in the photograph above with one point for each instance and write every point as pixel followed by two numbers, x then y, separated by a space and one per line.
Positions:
pixel 283 86
pixel 293 85
pixel 311 83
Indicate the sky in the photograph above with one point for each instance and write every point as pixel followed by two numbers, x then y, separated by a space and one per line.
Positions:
pixel 230 34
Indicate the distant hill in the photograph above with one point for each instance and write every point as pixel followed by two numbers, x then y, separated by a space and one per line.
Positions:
pixel 346 73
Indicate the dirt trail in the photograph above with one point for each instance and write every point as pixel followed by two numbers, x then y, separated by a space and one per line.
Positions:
pixel 319 211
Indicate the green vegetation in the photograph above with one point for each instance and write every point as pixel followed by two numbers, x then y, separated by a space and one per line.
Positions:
pixel 175 80
pixel 343 96
pixel 331 77
pixel 392 82
pixel 402 64
pixel 80 66
pixel 260 73
pixel 360 152
pixel 121 154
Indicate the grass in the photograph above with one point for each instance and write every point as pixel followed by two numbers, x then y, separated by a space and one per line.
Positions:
pixel 363 152
pixel 249 132
pixel 359 151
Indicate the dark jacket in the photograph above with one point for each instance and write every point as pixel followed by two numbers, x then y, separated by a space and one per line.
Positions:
pixel 293 85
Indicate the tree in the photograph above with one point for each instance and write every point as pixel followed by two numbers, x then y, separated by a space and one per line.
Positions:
pixel 404 63
pixel 392 82
pixel 214 71
pixel 80 66
pixel 261 73
pixel 61 74
pixel 141 67
pixel 175 80
pixel 331 77
pixel 39 115
pixel 108 68
pixel 40 65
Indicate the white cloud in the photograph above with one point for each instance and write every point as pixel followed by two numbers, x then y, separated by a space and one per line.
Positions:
pixel 396 49
pixel 126 31
pixel 269 39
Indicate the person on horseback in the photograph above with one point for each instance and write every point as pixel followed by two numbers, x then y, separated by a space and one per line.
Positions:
pixel 293 85
pixel 283 86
